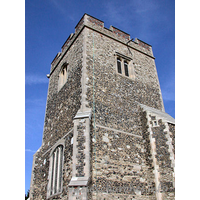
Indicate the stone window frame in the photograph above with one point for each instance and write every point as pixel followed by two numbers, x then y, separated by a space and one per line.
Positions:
pixel 55 153
pixel 63 76
pixel 155 123
pixel 130 64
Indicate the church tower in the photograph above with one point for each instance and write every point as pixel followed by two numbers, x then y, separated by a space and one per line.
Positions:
pixel 106 134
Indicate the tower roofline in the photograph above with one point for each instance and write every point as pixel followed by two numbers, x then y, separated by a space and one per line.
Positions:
pixel 144 42
pixel 98 25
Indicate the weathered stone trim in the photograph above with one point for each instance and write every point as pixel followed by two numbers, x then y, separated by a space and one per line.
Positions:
pixel 119 131
pixel 170 150
pixel 123 56
pixel 153 153
pixel 81 155
pixel 161 114
pixel 84 78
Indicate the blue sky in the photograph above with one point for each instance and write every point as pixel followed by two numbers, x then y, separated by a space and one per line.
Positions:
pixel 48 23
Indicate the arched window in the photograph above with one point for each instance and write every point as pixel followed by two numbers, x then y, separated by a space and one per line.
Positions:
pixel 62 76
pixel 55 171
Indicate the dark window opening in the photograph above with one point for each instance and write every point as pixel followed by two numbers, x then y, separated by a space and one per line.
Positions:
pixel 119 66
pixel 126 68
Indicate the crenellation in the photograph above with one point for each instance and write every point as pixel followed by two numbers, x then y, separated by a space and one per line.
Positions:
pixel 66 44
pixel 120 33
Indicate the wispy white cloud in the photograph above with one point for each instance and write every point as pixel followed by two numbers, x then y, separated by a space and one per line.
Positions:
pixel 29 150
pixel 138 14
pixel 168 95
pixel 35 79
pixel 113 13
pixel 168 89
pixel 36 102
pixel 62 7
pixel 58 6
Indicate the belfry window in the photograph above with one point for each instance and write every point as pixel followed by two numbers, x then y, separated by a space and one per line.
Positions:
pixel 124 65
pixel 119 68
pixel 62 76
pixel 55 171
pixel 126 68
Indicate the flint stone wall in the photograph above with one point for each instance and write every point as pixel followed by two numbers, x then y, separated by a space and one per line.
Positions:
pixel 121 157
pixel 120 160
pixel 61 108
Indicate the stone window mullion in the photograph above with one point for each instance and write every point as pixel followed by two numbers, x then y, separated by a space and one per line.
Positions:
pixel 122 67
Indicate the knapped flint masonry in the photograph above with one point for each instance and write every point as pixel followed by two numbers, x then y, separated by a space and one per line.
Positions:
pixel 106 134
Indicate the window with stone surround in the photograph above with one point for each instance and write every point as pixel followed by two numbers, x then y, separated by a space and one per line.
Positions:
pixel 55 171
pixel 63 75
pixel 155 123
pixel 124 65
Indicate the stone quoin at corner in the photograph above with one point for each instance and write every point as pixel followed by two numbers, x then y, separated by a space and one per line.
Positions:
pixel 106 134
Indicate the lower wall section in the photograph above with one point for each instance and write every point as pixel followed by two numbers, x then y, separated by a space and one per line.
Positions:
pixel 108 196
pixel 78 193
pixel 119 167
pixel 41 171
pixel 108 163
pixel 162 149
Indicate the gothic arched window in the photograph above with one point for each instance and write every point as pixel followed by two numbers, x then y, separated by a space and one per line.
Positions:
pixel 55 171
pixel 62 76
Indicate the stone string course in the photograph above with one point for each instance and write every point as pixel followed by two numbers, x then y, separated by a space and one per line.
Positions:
pixel 118 152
